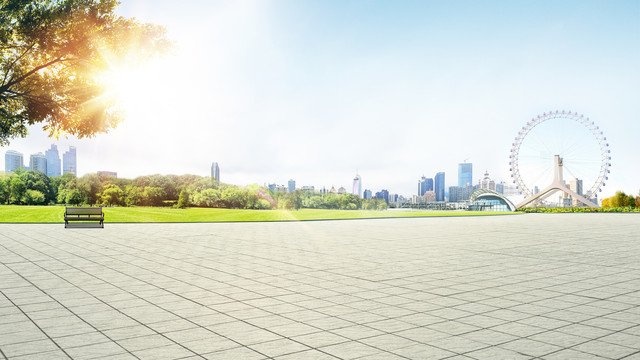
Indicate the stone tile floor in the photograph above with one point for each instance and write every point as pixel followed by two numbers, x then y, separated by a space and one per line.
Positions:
pixel 552 286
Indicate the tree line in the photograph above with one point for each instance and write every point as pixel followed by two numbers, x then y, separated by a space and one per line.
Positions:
pixel 28 187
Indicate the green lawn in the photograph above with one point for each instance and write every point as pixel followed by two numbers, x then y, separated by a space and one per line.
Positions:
pixel 54 214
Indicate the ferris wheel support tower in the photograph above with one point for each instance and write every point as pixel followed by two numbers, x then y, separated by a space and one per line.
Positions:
pixel 556 185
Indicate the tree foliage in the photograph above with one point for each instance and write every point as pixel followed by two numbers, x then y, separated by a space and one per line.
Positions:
pixel 183 200
pixel 620 199
pixel 164 190
pixel 57 56
pixel 112 195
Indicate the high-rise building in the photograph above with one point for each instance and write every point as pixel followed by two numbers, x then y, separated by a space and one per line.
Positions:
pixel 424 185
pixel 465 174
pixel 215 172
pixel 38 162
pixel 383 194
pixel 53 161
pixel 459 193
pixel 487 183
pixel 357 186
pixel 576 186
pixel 272 187
pixel 439 186
pixel 13 161
pixel 500 188
pixel 367 194
pixel 69 163
pixel 292 185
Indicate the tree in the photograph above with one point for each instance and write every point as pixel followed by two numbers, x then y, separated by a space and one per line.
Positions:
pixel 56 60
pixel 183 200
pixel 91 186
pixel 36 180
pixel 207 198
pixel 33 197
pixel 4 190
pixel 74 197
pixel 153 196
pixel 112 195
pixel 234 198
pixel 134 195
pixel 17 189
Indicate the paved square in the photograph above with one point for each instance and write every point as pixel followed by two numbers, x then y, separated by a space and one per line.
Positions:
pixel 548 286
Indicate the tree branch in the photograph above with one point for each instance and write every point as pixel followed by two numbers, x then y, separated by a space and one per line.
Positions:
pixel 6 86
pixel 15 61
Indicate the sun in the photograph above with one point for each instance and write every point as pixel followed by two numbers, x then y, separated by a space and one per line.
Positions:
pixel 135 89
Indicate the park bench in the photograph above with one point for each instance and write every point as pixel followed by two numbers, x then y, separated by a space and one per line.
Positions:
pixel 83 214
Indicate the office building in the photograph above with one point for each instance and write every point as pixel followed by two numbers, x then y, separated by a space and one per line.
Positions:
pixel 383 194
pixel 500 188
pixel 215 172
pixel 53 161
pixel 367 194
pixel 342 190
pixel 439 186
pixel 38 162
pixel 424 185
pixel 292 185
pixel 459 193
pixel 357 186
pixel 13 161
pixel 487 183
pixel 272 187
pixel 465 174
pixel 108 173
pixel 310 188
pixel 576 186
pixel 69 163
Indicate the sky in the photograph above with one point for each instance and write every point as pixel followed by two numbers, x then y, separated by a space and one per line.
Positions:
pixel 317 90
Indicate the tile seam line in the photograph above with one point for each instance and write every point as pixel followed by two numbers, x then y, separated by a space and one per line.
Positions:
pixel 33 322
pixel 66 308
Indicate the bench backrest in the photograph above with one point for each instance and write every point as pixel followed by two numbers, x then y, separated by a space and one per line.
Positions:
pixel 84 211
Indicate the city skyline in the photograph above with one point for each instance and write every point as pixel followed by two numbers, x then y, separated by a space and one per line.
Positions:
pixel 313 90
pixel 424 184
pixel 49 162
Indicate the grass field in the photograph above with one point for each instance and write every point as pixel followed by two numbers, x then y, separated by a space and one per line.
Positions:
pixel 54 214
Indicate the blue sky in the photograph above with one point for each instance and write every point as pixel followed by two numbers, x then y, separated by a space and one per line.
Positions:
pixel 313 90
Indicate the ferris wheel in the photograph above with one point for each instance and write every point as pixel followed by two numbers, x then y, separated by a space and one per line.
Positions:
pixel 578 142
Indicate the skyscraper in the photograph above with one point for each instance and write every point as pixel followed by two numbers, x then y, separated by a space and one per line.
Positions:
pixel 13 161
pixel 38 162
pixel 69 164
pixel 367 194
pixel 53 161
pixel 215 172
pixel 357 186
pixel 291 185
pixel 465 174
pixel 424 185
pixel 439 186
